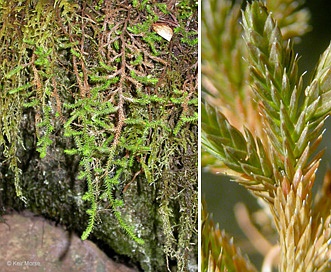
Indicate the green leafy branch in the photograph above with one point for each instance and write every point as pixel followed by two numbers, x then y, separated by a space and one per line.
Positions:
pixel 293 129
pixel 243 154
pixel 277 157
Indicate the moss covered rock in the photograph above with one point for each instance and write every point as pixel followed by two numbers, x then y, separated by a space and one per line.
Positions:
pixel 99 121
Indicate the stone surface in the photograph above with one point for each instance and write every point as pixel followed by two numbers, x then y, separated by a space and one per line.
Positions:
pixel 31 243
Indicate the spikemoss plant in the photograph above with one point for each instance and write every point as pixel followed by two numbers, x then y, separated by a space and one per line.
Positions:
pixel 263 127
pixel 95 76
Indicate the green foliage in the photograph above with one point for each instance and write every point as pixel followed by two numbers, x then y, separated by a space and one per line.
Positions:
pixel 276 84
pixel 261 125
pixel 45 140
pixel 223 51
pixel 291 17
pixel 288 125
pixel 241 153
pixel 96 75
pixel 291 126
pixel 187 8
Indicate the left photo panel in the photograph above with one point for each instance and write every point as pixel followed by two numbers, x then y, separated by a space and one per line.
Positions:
pixel 99 135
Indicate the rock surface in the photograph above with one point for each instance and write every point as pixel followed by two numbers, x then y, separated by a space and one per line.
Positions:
pixel 31 243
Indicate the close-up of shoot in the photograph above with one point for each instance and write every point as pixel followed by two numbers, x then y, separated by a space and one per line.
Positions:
pixel 262 124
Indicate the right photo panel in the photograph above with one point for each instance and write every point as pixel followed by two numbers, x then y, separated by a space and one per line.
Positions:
pixel 265 135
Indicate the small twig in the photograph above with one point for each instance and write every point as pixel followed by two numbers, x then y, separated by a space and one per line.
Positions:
pixel 262 245
pixel 132 180
pixel 271 258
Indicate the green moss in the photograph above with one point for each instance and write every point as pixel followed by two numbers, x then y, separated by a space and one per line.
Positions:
pixel 94 86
